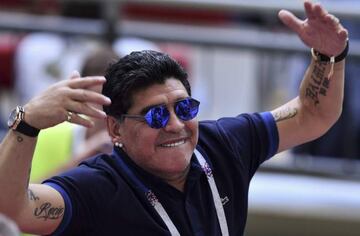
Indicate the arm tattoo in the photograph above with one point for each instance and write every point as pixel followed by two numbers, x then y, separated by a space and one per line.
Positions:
pixel 285 114
pixel 318 84
pixel 47 212
pixel 19 139
pixel 32 195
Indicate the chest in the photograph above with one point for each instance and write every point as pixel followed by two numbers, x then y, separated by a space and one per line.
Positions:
pixel 192 212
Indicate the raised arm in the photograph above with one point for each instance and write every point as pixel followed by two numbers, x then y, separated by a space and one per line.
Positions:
pixel 39 208
pixel 319 103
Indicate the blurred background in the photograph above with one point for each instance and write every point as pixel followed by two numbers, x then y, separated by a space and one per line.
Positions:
pixel 239 57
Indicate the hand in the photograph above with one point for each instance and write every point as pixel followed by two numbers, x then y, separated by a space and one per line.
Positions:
pixel 51 107
pixel 321 30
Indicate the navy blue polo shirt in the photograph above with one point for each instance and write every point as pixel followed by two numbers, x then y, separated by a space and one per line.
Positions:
pixel 101 198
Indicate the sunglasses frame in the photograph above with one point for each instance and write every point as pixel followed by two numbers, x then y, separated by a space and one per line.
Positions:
pixel 163 107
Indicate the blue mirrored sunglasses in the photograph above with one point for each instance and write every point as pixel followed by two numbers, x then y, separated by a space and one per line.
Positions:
pixel 158 116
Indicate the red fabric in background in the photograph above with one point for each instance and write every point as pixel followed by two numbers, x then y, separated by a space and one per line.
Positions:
pixel 174 14
pixel 12 3
pixel 8 44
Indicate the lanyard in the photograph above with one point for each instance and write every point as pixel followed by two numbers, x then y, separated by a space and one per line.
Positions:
pixel 153 200
pixel 215 193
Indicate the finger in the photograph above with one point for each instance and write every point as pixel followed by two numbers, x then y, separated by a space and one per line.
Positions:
pixel 84 95
pixel 332 20
pixel 96 88
pixel 319 11
pixel 85 109
pixel 290 20
pixel 75 74
pixel 343 34
pixel 77 119
pixel 86 81
pixel 308 6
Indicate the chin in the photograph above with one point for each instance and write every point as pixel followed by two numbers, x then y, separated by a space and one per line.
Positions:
pixel 174 172
pixel 177 163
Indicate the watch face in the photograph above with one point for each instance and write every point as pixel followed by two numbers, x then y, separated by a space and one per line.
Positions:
pixel 12 118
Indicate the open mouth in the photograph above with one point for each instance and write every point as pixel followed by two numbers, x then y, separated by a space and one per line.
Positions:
pixel 174 144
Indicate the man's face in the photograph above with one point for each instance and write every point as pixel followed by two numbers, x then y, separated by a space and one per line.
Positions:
pixel 164 152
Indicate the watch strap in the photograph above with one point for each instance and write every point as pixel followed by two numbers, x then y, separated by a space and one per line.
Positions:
pixel 323 58
pixel 26 129
pixel 21 126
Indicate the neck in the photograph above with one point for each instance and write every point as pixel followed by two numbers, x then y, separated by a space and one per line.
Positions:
pixel 179 184
pixel 178 181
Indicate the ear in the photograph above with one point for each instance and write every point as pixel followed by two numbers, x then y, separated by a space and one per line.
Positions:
pixel 113 127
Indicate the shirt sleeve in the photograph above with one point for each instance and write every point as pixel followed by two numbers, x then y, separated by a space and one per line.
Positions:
pixel 68 209
pixel 85 191
pixel 272 133
pixel 249 138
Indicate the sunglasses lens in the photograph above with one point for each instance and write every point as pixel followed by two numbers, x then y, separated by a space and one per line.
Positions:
pixel 157 117
pixel 187 109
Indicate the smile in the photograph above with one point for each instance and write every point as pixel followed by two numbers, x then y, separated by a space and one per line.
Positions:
pixel 173 144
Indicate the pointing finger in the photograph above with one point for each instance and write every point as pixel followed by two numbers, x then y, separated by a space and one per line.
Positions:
pixel 290 20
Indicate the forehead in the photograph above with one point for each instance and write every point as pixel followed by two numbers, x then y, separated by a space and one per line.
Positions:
pixel 171 91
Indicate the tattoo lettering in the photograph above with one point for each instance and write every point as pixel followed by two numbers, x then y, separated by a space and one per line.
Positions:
pixel 322 91
pixel 313 95
pixel 318 74
pixel 285 114
pixel 32 195
pixel 19 139
pixel 326 83
pixel 47 212
pixel 318 84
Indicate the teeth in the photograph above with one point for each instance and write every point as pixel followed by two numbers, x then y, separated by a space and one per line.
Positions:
pixel 173 144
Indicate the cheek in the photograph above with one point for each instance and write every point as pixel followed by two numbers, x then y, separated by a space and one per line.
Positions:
pixel 140 139
pixel 193 126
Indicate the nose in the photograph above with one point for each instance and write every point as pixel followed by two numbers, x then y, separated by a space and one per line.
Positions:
pixel 174 124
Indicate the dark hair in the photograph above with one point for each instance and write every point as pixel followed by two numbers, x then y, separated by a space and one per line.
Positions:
pixel 137 71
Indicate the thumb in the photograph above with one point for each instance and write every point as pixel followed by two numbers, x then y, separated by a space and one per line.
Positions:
pixel 75 74
pixel 290 20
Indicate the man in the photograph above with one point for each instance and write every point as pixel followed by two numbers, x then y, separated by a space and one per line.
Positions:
pixel 168 174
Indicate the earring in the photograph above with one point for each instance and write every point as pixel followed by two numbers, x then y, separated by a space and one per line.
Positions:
pixel 117 144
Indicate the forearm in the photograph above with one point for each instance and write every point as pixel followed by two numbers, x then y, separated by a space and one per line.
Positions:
pixel 36 209
pixel 16 151
pixel 321 97
pixel 315 110
pixel 319 103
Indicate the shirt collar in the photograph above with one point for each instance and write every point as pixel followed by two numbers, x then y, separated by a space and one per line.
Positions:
pixel 154 182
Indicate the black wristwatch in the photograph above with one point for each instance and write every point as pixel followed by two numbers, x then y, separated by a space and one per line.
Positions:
pixel 16 122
